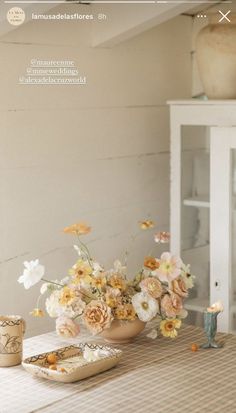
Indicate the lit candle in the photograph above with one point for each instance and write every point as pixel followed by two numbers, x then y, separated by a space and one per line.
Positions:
pixel 216 307
pixel 210 324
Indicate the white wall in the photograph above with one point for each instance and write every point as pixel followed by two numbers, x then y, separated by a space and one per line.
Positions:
pixel 98 153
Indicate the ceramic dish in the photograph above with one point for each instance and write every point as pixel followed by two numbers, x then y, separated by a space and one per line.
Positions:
pixel 73 363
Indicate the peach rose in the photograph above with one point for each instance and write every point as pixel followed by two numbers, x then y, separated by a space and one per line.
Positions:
pixel 113 297
pixel 97 316
pixel 172 304
pixel 152 286
pixel 65 327
pixel 178 286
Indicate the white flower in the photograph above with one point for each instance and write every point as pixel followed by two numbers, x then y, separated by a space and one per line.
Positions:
pixel 32 274
pixel 97 269
pixel 44 288
pixel 89 355
pixel 56 309
pixel 187 276
pixel 119 268
pixel 93 355
pixel 64 280
pixel 53 285
pixel 53 306
pixel 78 250
pixel 78 306
pixel 75 309
pixel 145 306
pixel 153 334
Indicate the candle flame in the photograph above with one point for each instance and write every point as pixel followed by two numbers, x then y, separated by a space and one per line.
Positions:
pixel 216 307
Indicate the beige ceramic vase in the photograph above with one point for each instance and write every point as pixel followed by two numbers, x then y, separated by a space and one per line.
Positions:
pixel 122 332
pixel 216 57
pixel 12 329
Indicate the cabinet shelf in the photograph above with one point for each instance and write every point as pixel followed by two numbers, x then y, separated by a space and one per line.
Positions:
pixel 196 304
pixel 198 201
pixel 203 227
pixel 197 250
pixel 233 308
pixel 200 304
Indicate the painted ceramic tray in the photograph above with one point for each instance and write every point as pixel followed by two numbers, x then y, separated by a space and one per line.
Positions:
pixel 73 363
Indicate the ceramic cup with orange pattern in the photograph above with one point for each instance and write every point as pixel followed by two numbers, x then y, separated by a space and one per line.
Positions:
pixel 12 329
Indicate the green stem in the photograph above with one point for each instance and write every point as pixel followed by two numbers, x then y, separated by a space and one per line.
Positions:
pixel 150 253
pixel 52 282
pixel 156 316
pixel 60 285
pixel 37 303
pixel 133 238
pixel 85 295
pixel 126 254
pixel 76 316
pixel 159 302
pixel 86 250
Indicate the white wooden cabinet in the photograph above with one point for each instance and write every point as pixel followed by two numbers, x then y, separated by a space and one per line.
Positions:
pixel 203 201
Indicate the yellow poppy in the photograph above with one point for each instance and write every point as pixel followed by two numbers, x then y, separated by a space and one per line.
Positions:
pixel 168 327
pixel 37 312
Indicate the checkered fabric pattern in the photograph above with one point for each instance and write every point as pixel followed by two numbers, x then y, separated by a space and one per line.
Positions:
pixel 154 376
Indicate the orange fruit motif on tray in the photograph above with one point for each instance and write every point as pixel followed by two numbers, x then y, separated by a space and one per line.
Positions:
pixel 52 358
pixel 62 370
pixel 194 347
pixel 53 367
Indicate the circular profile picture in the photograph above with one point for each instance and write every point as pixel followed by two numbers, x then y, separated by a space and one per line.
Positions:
pixel 16 16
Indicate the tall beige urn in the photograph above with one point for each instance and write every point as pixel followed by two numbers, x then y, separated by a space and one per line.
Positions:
pixel 216 57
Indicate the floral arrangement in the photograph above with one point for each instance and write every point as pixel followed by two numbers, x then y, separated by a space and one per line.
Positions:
pixel 95 296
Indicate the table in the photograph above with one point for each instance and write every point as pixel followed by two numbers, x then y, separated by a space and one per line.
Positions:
pixel 154 376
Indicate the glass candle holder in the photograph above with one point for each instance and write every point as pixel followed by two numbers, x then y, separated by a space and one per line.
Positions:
pixel 210 327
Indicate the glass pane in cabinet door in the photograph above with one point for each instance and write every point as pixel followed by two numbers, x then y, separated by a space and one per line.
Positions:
pixel 195 211
pixel 233 245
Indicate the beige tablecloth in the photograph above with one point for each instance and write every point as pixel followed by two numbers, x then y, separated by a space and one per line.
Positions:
pixel 159 376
